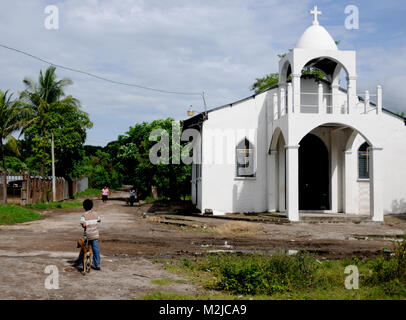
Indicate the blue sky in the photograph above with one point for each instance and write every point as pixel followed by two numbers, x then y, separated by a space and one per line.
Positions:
pixel 188 45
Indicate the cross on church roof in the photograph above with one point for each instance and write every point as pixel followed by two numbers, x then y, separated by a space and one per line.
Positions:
pixel 315 12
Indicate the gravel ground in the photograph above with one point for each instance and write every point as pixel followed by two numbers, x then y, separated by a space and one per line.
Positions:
pixel 131 243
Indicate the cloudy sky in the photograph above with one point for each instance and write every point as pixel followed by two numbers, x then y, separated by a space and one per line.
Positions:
pixel 219 46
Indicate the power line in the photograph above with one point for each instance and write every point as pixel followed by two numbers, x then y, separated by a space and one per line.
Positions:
pixel 99 77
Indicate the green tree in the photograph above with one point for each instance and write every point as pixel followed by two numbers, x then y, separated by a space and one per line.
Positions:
pixel 127 161
pixel 11 120
pixel 261 84
pixel 14 164
pixel 53 111
pixel 69 126
pixel 269 80
pixel 314 72
pixel 103 172
pixel 130 154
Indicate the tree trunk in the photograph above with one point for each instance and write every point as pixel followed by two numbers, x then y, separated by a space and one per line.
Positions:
pixel 4 173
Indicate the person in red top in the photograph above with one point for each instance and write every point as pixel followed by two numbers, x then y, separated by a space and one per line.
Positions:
pixel 105 194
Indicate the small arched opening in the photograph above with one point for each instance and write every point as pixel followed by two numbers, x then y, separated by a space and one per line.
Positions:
pixel 333 75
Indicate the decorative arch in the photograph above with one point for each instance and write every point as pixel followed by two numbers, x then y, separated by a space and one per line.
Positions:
pixel 336 74
pixel 285 72
pixel 277 133
pixel 351 139
pixel 320 60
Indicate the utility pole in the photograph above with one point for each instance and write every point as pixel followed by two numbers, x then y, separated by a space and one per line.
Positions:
pixel 204 103
pixel 53 167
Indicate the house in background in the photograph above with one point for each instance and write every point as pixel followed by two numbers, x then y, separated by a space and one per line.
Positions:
pixel 308 144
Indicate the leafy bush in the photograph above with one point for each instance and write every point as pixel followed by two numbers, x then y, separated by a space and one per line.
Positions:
pixel 394 287
pixel 293 277
pixel 186 262
pixel 390 271
pixel 260 274
pixel 14 164
pixel 102 176
pixel 399 249
pixel 383 270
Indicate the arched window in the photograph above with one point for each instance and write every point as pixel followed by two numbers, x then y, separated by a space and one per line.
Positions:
pixel 245 159
pixel 363 161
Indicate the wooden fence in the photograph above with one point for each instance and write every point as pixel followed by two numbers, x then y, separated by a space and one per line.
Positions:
pixel 28 189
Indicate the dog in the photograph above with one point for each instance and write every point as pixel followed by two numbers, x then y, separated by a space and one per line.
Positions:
pixel 87 253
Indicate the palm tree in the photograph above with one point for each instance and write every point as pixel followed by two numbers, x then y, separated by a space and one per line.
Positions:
pixel 44 98
pixel 11 119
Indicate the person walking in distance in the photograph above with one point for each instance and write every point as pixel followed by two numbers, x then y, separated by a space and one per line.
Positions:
pixel 132 197
pixel 105 194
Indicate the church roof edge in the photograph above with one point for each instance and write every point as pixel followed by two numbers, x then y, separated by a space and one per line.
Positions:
pixel 200 117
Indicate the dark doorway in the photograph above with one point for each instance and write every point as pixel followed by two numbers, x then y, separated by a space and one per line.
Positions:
pixel 313 174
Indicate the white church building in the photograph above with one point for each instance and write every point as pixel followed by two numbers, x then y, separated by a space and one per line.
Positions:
pixel 308 144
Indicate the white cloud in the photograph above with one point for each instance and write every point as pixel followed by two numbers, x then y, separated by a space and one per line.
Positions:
pixel 183 45
pixel 386 67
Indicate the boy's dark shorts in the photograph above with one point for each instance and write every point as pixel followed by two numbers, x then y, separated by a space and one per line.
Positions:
pixel 104 198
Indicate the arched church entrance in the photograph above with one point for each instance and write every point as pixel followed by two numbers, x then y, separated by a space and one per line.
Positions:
pixel 313 174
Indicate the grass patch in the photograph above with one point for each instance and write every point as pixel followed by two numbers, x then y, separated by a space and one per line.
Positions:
pixel 10 214
pixel 70 204
pixel 162 295
pixel 298 277
pixel 166 281
pixel 258 274
pixel 240 228
pixel 87 193
pixel 165 296
pixel 201 229
pixel 162 282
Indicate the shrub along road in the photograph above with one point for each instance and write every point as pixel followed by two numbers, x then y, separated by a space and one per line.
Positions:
pixel 131 243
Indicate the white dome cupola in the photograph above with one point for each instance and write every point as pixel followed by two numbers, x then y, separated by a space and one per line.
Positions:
pixel 317 50
pixel 316 37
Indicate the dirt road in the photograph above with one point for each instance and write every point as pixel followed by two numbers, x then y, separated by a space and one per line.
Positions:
pixel 131 243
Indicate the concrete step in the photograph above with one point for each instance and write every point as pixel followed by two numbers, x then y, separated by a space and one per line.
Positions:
pixel 272 218
pixel 334 218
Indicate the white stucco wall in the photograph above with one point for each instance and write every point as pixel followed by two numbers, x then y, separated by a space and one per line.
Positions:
pixel 222 190
pixel 393 133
